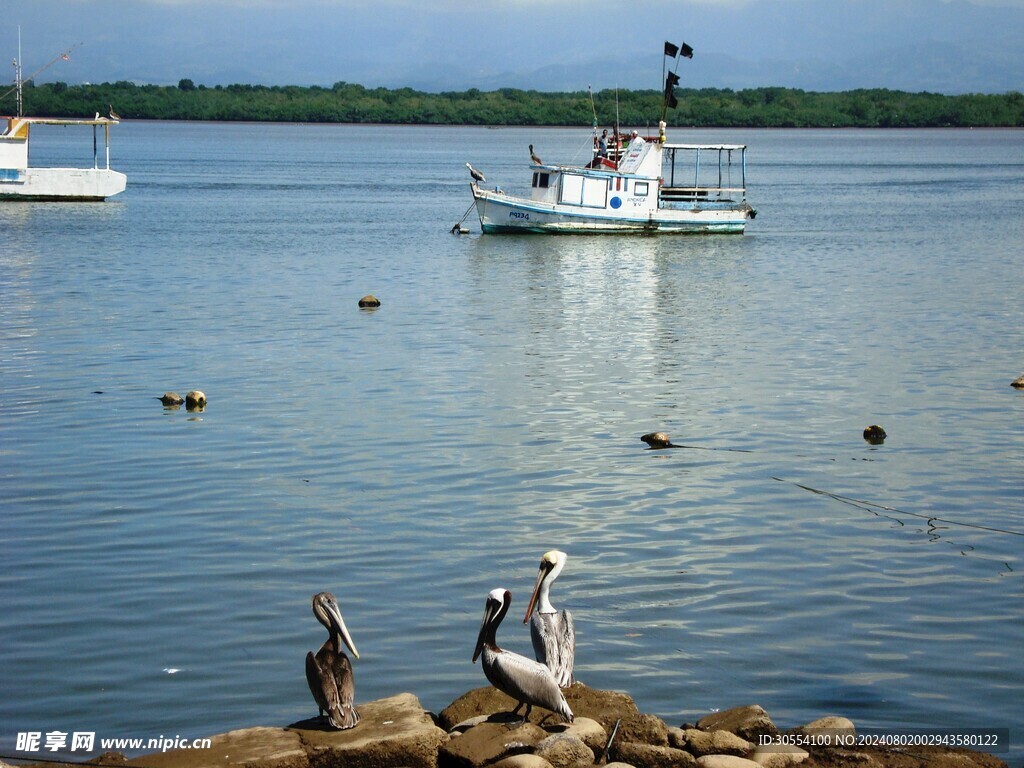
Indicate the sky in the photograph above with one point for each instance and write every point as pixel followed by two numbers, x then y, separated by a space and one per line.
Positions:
pixel 946 46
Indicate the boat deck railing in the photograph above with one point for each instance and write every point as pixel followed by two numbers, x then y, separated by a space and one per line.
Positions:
pixel 674 194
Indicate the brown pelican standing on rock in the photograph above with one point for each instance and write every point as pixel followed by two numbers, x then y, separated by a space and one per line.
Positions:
pixel 475 174
pixel 553 634
pixel 329 673
pixel 525 680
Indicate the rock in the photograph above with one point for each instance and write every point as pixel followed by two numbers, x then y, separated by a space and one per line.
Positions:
pixel 603 706
pixel 1018 383
pixel 726 761
pixel 829 726
pixel 619 765
pixel 172 399
pixel 522 761
pixel 589 732
pixel 874 434
pixel 746 722
pixel 490 741
pixel 369 301
pixel 270 747
pixel 195 400
pixel 645 729
pixel 109 758
pixel 778 755
pixel 700 743
pixel 563 750
pixel 649 756
pixel 658 440
pixel 901 757
pixel 460 728
pixel 392 732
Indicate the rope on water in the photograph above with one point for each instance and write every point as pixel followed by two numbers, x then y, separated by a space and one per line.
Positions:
pixel 871 505
pixel 457 227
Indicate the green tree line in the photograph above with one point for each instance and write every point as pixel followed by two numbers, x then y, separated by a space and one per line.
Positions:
pixel 351 103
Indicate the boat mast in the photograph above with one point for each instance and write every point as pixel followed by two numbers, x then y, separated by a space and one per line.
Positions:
pixel 17 77
pixel 19 80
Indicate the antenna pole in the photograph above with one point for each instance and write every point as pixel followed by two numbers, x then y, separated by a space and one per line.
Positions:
pixel 17 77
pixel 19 80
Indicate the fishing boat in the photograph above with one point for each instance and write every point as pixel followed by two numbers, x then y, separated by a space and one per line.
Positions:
pixel 640 184
pixel 21 181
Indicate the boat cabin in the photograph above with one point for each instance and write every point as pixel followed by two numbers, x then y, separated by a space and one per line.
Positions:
pixel 649 175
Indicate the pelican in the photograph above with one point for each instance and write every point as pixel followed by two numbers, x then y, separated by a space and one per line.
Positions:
pixel 533 156
pixel 525 680
pixel 112 113
pixel 477 176
pixel 553 634
pixel 329 673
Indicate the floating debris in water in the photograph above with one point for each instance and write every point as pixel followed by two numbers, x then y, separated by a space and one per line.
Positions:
pixel 171 399
pixel 874 434
pixel 195 400
pixel 658 440
pixel 369 301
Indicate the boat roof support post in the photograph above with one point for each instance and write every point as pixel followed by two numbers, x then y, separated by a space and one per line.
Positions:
pixel 95 154
pixel 696 170
pixel 106 143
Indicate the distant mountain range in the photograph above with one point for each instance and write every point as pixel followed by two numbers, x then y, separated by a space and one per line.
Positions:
pixel 945 46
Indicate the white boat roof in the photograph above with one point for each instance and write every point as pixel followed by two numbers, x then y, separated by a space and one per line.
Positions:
pixel 63 120
pixel 705 146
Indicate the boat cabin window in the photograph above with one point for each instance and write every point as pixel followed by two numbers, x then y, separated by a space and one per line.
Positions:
pixel 640 189
pixel 541 180
pixel 588 191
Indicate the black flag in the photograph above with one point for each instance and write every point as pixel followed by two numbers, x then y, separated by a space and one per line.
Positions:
pixel 670 82
pixel 686 51
pixel 670 50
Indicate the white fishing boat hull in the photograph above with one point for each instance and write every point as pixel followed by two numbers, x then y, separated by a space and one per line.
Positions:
pixel 61 184
pixel 505 214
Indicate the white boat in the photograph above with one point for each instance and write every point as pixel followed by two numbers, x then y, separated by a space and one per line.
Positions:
pixel 20 181
pixel 654 186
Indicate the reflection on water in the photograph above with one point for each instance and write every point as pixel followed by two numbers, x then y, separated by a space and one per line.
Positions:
pixel 413 458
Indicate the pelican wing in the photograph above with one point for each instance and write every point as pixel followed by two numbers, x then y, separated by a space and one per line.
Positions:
pixel 331 681
pixel 554 644
pixel 525 680
pixel 315 678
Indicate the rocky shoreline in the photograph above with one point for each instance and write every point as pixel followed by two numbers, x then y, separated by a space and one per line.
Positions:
pixel 477 730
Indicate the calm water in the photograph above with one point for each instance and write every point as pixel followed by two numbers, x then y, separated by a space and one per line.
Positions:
pixel 156 566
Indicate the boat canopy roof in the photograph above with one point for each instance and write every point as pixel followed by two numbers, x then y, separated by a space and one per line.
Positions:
pixel 706 146
pixel 62 120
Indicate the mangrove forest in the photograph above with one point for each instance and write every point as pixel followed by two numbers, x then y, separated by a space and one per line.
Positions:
pixel 352 103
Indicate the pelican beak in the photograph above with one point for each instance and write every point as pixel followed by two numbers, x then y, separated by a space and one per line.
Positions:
pixel 481 639
pixel 545 569
pixel 338 624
